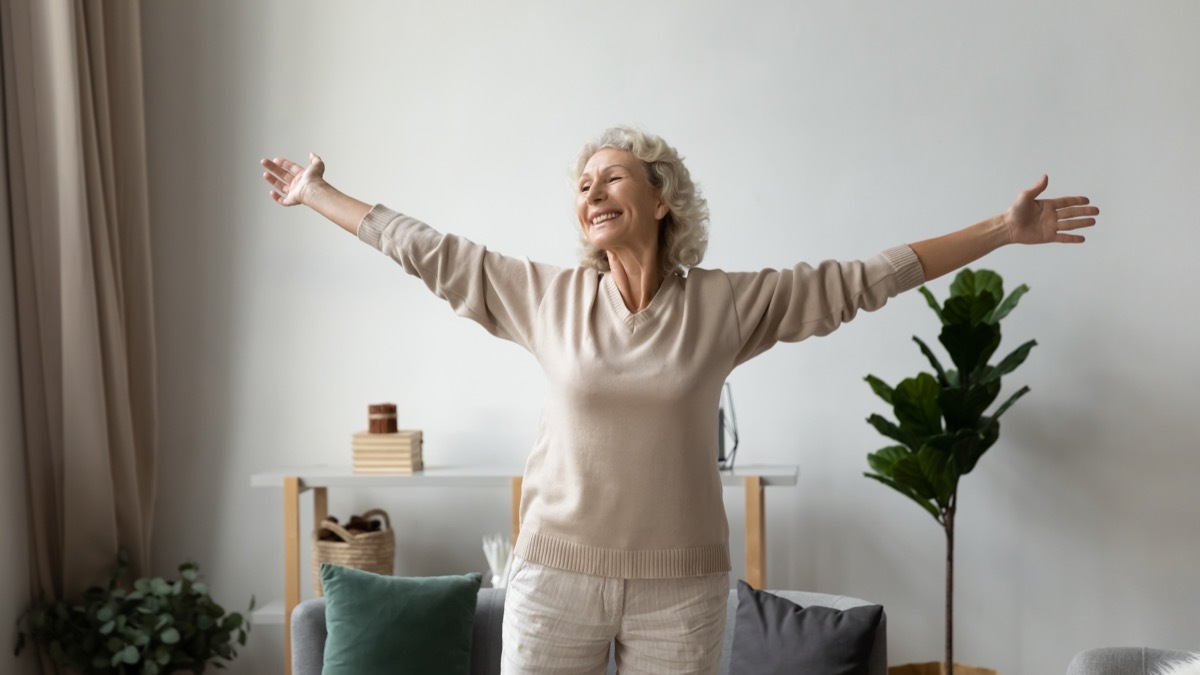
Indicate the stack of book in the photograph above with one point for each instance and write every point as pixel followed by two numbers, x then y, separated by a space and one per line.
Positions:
pixel 398 452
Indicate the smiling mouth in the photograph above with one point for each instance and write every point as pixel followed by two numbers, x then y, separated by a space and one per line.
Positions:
pixel 604 217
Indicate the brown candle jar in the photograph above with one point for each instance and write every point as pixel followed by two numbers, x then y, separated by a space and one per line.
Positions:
pixel 381 418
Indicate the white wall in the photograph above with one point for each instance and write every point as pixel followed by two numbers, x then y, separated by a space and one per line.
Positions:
pixel 818 130
pixel 14 558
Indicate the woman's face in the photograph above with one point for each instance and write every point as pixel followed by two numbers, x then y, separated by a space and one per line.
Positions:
pixel 618 208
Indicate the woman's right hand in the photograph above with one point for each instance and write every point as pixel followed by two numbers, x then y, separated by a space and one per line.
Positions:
pixel 292 183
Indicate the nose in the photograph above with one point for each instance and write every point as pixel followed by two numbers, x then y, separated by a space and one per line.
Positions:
pixel 596 192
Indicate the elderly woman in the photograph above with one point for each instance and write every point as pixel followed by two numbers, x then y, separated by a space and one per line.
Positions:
pixel 623 534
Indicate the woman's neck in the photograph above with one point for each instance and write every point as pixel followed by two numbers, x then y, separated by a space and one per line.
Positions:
pixel 637 278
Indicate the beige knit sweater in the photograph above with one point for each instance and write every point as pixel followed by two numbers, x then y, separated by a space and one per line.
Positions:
pixel 622 480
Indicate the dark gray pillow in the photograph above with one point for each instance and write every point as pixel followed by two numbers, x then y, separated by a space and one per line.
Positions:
pixel 775 636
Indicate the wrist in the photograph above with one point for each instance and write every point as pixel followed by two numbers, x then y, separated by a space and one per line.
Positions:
pixel 999 231
pixel 314 192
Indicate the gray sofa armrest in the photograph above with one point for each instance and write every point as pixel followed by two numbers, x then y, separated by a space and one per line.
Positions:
pixel 487 632
pixel 308 637
pixel 1125 660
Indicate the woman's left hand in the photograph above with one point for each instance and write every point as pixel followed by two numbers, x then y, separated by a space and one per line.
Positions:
pixel 1040 221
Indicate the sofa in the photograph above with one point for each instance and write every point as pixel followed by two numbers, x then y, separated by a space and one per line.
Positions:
pixel 308 631
pixel 1125 661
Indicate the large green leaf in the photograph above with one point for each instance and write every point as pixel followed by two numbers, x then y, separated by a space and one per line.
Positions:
pixel 969 309
pixel 933 361
pixel 925 503
pixel 1008 304
pixel 936 465
pixel 970 346
pixel 1009 363
pixel 908 472
pixel 882 389
pixel 975 283
pixel 933 303
pixel 888 428
pixel 964 407
pixel 969 448
pixel 1011 400
pixel 915 405
pixel 884 459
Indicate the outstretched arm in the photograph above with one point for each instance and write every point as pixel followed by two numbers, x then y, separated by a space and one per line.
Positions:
pixel 1028 221
pixel 293 184
pixel 500 293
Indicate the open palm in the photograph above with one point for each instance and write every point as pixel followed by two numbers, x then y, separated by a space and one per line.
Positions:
pixel 290 181
pixel 1041 221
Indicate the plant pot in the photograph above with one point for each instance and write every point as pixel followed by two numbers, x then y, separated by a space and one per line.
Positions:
pixel 938 668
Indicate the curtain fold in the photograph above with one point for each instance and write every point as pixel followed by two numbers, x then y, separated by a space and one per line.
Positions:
pixel 75 157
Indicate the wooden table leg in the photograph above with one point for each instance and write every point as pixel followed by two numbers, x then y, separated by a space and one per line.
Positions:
pixel 756 536
pixel 320 511
pixel 516 508
pixel 291 563
pixel 320 505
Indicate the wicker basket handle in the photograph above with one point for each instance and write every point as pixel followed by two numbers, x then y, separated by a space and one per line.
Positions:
pixel 344 533
pixel 379 512
pixel 336 529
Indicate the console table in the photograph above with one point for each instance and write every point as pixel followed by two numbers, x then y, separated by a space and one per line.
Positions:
pixel 753 478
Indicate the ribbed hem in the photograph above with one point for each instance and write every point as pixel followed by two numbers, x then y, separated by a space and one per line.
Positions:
pixel 370 228
pixel 619 564
pixel 909 273
pixel 382 223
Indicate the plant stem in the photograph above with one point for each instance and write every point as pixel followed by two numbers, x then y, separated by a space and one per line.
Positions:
pixel 949 525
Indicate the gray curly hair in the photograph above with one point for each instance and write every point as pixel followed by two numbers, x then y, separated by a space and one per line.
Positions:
pixel 683 235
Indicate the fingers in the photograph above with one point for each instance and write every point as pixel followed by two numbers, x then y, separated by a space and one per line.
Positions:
pixel 278 178
pixel 1038 187
pixel 1062 238
pixel 1075 217
pixel 1075 223
pixel 286 169
pixel 1065 202
pixel 277 170
pixel 276 183
pixel 1076 211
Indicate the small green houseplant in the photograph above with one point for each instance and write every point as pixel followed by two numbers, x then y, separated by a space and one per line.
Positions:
pixel 942 427
pixel 146 627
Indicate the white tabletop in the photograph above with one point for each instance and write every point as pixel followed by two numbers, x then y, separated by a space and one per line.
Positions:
pixel 342 475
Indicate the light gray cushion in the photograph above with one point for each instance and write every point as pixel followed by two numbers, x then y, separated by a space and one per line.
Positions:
pixel 485 644
pixel 1124 660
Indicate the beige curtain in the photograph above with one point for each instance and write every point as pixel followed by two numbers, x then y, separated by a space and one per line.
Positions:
pixel 76 180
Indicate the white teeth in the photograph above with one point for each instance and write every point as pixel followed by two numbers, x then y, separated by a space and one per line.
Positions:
pixel 603 217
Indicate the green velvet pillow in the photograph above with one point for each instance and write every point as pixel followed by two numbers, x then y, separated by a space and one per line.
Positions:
pixel 381 624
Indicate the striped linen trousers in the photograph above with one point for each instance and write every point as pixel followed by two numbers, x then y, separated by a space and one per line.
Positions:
pixel 561 623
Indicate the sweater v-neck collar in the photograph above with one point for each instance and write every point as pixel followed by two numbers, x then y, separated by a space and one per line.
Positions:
pixel 635 319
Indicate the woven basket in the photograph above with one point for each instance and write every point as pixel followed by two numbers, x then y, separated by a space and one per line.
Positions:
pixel 369 551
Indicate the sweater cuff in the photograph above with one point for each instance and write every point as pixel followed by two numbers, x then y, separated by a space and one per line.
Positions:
pixel 370 229
pixel 907 267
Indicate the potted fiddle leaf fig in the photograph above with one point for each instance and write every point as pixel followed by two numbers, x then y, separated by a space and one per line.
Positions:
pixel 942 425
pixel 149 626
